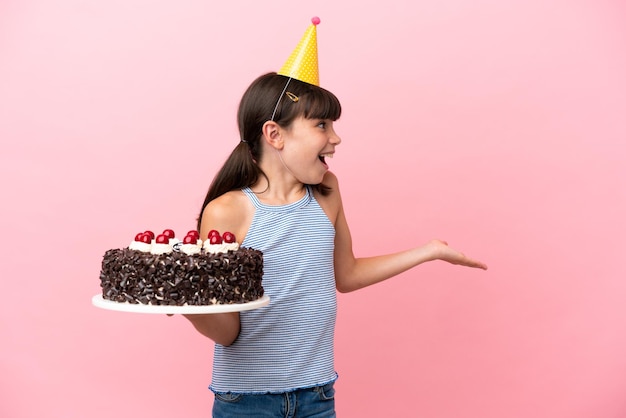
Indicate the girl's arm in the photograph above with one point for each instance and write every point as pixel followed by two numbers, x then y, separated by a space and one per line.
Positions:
pixel 353 273
pixel 223 328
pixel 226 213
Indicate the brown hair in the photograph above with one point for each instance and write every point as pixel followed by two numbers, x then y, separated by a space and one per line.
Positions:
pixel 257 105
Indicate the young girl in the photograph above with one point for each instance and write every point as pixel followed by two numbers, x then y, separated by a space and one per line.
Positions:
pixel 276 194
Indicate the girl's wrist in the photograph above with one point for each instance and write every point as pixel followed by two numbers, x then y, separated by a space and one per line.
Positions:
pixel 432 251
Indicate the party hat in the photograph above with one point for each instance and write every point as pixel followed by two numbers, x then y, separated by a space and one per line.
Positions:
pixel 302 64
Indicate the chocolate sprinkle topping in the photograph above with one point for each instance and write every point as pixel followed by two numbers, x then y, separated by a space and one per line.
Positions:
pixel 179 279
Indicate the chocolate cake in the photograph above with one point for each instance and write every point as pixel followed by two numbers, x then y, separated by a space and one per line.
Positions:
pixel 169 272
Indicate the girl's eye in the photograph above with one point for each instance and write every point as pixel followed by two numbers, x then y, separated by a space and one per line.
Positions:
pixel 322 124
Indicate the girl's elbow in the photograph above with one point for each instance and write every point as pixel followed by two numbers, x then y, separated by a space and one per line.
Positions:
pixel 346 277
pixel 344 286
pixel 225 342
pixel 342 289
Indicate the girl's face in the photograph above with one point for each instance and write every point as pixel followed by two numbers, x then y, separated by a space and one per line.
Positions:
pixel 307 144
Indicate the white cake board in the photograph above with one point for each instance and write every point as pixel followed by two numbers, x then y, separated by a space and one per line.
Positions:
pixel 100 302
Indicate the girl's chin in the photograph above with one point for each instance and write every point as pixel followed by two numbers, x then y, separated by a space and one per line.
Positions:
pixel 323 174
pixel 313 180
pixel 315 175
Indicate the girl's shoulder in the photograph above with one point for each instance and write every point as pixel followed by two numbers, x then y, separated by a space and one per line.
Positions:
pixel 232 212
pixel 232 203
pixel 229 198
pixel 331 200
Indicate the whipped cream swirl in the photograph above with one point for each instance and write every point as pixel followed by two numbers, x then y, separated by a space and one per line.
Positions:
pixel 220 248
pixel 161 248
pixel 144 247
pixel 190 249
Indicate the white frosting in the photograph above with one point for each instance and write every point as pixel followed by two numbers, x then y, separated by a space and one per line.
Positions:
pixel 220 248
pixel 190 249
pixel 233 246
pixel 161 248
pixel 144 247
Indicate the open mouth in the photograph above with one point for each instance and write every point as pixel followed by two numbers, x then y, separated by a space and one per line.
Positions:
pixel 323 157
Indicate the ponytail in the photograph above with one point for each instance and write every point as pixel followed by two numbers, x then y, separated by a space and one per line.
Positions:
pixel 240 170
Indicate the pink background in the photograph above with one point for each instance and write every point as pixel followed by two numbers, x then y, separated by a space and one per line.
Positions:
pixel 496 125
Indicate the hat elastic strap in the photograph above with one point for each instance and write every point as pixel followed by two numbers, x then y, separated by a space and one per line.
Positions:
pixel 280 98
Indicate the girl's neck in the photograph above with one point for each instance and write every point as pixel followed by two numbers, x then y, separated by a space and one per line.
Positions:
pixel 281 186
pixel 278 192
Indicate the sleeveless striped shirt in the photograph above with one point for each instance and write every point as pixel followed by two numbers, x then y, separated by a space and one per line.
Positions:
pixel 288 344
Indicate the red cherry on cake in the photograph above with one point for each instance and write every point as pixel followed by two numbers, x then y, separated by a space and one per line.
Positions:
pixel 143 237
pixel 228 237
pixel 162 239
pixel 190 239
pixel 169 233
pixel 213 233
pixel 194 233
pixel 150 233
pixel 215 239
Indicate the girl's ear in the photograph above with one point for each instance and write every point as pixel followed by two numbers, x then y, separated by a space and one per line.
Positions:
pixel 272 134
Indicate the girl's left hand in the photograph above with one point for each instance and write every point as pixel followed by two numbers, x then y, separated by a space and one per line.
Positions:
pixel 441 251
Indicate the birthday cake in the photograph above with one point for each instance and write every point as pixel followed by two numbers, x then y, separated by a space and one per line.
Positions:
pixel 163 270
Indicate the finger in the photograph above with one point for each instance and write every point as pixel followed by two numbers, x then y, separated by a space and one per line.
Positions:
pixel 473 263
pixel 479 265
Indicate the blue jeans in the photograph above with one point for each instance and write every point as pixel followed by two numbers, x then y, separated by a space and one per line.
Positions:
pixel 316 402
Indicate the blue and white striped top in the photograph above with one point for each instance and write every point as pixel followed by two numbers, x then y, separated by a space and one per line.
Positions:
pixel 288 344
